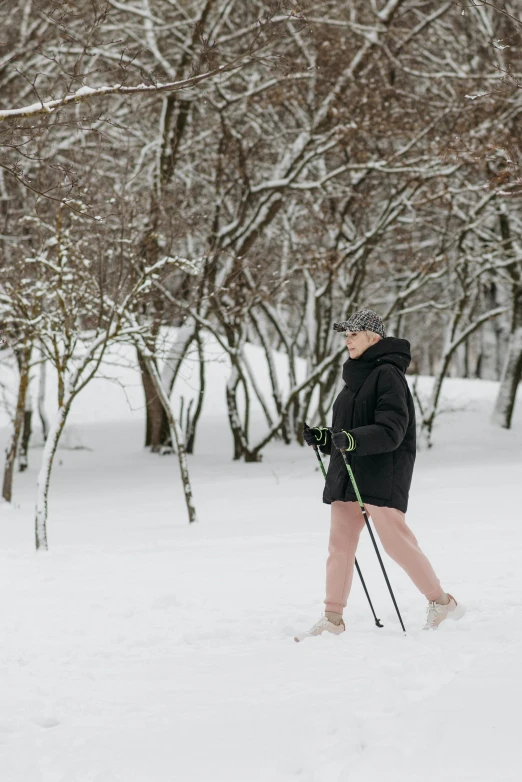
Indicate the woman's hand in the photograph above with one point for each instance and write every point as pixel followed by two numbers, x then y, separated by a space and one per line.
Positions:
pixel 343 441
pixel 316 435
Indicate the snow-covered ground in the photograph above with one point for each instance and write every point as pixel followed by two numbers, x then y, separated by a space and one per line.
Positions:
pixel 140 649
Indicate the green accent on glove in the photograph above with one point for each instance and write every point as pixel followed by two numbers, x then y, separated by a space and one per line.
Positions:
pixel 321 434
pixel 351 441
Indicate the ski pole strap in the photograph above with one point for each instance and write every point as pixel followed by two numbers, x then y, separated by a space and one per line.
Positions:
pixel 351 441
pixel 321 434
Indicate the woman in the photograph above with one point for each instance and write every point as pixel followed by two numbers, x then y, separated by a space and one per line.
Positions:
pixel 374 422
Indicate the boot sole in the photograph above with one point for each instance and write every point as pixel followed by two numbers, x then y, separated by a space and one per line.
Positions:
pixel 299 638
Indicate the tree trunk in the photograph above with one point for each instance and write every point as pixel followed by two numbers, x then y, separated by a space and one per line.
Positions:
pixel 512 373
pixel 12 448
pixel 489 362
pixel 233 413
pixel 177 352
pixel 157 426
pixel 239 435
pixel 42 382
pixel 257 390
pixel 505 402
pixel 44 476
pixel 23 460
pixel 429 420
pixel 272 372
pixel 193 422
pixel 176 435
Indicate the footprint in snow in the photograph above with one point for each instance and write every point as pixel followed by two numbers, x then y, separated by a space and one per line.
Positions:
pixel 47 722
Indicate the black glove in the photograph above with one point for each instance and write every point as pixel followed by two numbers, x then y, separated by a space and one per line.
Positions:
pixel 316 435
pixel 343 441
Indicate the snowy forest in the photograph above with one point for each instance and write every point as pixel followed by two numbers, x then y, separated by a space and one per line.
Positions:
pixel 201 188
pixel 255 172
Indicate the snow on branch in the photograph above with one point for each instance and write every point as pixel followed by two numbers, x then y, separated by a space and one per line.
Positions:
pixel 88 93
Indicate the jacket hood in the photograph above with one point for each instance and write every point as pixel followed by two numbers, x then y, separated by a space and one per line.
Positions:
pixel 389 350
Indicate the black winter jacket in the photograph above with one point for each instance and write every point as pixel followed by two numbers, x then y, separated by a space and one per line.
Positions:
pixel 376 407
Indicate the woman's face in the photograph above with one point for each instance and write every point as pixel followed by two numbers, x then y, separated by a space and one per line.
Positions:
pixel 357 342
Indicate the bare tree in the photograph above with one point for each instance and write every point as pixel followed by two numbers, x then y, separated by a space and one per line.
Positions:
pixel 313 159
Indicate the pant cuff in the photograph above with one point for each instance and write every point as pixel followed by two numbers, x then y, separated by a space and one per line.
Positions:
pixel 433 595
pixel 337 607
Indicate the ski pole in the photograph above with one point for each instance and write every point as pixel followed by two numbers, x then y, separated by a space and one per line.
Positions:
pixel 365 515
pixel 377 621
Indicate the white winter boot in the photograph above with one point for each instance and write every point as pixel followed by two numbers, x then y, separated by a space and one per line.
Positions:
pixel 437 613
pixel 322 626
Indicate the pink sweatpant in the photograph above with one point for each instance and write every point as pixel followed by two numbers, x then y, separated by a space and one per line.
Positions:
pixel 398 541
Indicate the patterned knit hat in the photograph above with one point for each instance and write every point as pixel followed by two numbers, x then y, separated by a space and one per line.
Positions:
pixel 364 320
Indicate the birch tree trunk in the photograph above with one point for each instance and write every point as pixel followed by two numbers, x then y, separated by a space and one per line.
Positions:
pixel 505 402
pixel 176 434
pixel 240 444
pixel 193 422
pixel 42 383
pixel 490 363
pixel 44 476
pixel 177 352
pixel 512 373
pixel 256 388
